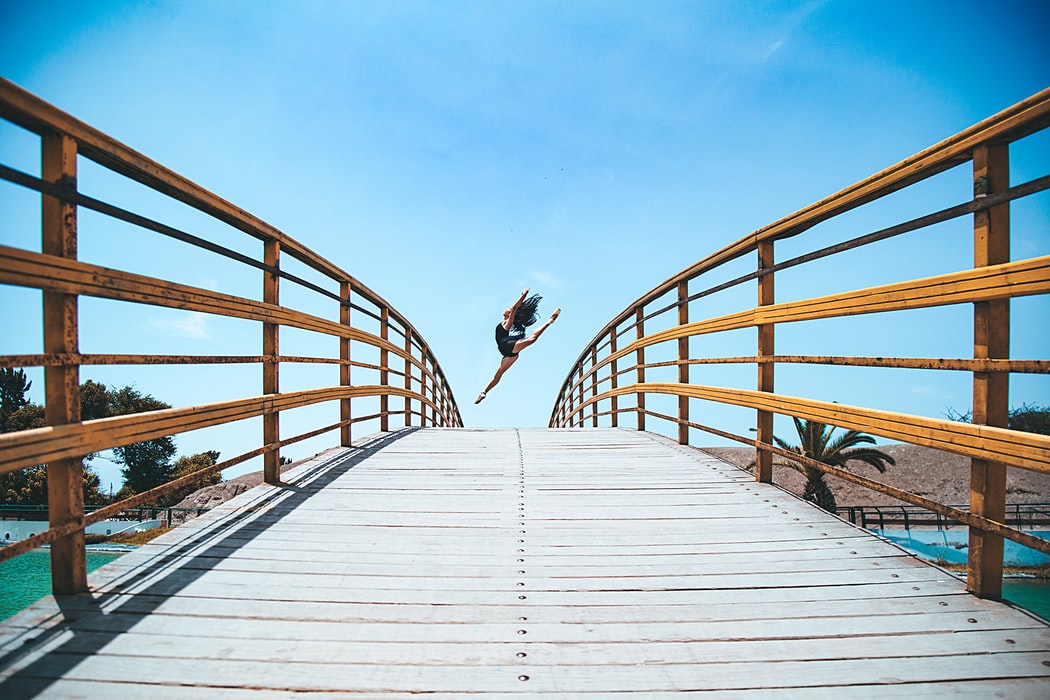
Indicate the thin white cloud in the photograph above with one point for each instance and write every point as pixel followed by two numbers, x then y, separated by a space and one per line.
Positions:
pixel 773 48
pixel 789 26
pixel 546 280
pixel 188 324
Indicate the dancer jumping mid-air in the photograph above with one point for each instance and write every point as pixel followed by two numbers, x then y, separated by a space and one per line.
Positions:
pixel 510 334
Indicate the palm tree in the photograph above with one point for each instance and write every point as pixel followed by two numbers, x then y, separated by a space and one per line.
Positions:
pixel 816 443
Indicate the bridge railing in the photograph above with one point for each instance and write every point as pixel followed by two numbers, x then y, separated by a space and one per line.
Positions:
pixel 650 348
pixel 387 373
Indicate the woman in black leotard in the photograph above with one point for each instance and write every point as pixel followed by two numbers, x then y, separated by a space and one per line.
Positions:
pixel 510 334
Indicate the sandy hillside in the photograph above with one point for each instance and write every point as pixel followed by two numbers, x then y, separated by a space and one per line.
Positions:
pixel 941 476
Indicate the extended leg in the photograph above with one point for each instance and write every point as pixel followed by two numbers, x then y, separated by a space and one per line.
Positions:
pixel 526 342
pixel 504 365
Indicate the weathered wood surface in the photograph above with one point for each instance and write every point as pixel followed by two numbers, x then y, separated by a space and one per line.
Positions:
pixel 1016 448
pixel 541 562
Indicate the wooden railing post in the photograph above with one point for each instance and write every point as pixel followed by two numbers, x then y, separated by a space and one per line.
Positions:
pixel 764 419
pixel 424 388
pixel 639 330
pixel 271 367
pixel 345 412
pixel 580 389
pixel 441 388
pixel 594 386
pixel 425 361
pixel 384 375
pixel 562 407
pixel 614 405
pixel 65 477
pixel 437 396
pixel 991 339
pixel 683 367
pixel 408 377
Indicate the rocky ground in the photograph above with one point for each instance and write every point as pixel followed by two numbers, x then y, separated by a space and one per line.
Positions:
pixel 211 496
pixel 941 476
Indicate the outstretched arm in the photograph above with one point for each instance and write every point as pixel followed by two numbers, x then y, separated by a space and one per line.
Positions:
pixel 509 321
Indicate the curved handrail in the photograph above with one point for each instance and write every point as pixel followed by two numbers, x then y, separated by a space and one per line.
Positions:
pixel 1014 123
pixel 595 385
pixel 403 355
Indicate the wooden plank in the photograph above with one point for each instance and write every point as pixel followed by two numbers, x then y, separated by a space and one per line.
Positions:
pixel 271 432
pixel 1021 688
pixel 1001 281
pixel 65 475
pixel 639 325
pixel 384 362
pixel 683 367
pixel 640 678
pixel 345 371
pixel 448 596
pixel 595 653
pixel 886 595
pixel 939 363
pixel 991 391
pixel 1025 450
pixel 366 553
pixel 42 271
pixel 507 630
pixel 39 445
pixel 766 348
pixel 419 570
pixel 627 611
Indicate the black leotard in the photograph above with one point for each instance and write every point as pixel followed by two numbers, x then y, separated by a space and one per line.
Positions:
pixel 505 340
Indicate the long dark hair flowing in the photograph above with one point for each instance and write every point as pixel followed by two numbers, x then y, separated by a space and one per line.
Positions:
pixel 526 313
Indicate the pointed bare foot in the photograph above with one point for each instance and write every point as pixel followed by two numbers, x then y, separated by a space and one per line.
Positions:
pixel 554 316
pixel 481 396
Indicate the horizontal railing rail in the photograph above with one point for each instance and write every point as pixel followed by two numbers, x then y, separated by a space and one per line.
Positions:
pixel 25 512
pixel 404 385
pixel 609 380
pixel 1019 515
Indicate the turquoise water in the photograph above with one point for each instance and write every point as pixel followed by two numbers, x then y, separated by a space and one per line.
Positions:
pixel 27 578
pixel 950 546
pixel 1030 594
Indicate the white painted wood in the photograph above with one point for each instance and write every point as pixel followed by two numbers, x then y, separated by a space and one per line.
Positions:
pixel 617 562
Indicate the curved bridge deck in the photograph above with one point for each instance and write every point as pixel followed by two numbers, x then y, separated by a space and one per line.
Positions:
pixel 594 561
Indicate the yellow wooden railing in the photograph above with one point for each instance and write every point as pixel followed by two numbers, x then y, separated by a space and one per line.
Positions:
pixel 609 379
pixel 406 367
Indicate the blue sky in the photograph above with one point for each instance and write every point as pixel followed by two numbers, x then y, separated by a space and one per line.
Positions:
pixel 450 153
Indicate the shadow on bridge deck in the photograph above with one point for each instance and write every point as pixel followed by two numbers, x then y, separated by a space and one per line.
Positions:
pixel 521 561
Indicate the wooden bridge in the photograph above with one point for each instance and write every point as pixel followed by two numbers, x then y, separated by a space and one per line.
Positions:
pixel 539 562
pixel 579 559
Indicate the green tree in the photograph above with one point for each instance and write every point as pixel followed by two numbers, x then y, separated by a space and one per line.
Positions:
pixel 815 442
pixel 24 486
pixel 13 389
pixel 1030 418
pixel 94 400
pixel 145 464
pixel 188 465
pixel 29 486
pixel 26 418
